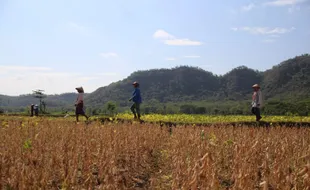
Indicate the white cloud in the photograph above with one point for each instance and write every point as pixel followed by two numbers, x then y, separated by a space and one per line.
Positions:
pixel 108 54
pixel 191 56
pixel 248 7
pixel 16 80
pixel 234 29
pixel 107 74
pixel 269 40
pixel 293 9
pixel 284 2
pixel 233 11
pixel 57 74
pixel 170 59
pixel 76 26
pixel 182 42
pixel 274 36
pixel 161 34
pixel 264 30
pixel 6 68
pixel 169 39
pixel 79 28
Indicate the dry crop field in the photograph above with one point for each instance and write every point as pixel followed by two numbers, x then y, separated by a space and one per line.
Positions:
pixel 43 153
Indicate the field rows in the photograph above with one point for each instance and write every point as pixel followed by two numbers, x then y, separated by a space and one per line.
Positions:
pixel 185 118
pixel 57 153
pixel 190 119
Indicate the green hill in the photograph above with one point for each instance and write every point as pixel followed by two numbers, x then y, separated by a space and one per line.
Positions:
pixel 53 102
pixel 181 84
pixel 185 86
pixel 291 77
pixel 163 85
pixel 286 90
pixel 288 80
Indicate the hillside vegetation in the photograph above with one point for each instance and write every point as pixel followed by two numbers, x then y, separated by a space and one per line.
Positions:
pixel 54 102
pixel 286 89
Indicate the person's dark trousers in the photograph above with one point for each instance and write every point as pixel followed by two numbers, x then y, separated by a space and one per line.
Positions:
pixel 256 112
pixel 31 111
pixel 135 108
pixel 79 110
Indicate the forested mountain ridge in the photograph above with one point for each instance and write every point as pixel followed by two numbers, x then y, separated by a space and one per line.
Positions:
pixel 61 101
pixel 164 85
pixel 290 80
pixel 181 84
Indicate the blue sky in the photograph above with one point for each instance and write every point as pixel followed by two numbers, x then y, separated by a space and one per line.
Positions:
pixel 58 45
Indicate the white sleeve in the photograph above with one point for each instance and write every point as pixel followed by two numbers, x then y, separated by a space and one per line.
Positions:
pixel 260 101
pixel 80 98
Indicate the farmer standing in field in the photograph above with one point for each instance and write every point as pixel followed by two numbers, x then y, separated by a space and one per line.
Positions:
pixel 31 110
pixel 137 100
pixel 36 110
pixel 79 110
pixel 256 101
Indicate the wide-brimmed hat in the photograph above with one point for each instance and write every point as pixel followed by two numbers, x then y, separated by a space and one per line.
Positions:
pixel 135 83
pixel 80 89
pixel 255 86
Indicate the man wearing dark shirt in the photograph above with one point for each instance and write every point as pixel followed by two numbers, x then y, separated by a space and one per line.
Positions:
pixel 137 100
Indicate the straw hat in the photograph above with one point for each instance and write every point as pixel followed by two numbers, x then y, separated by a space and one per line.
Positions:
pixel 255 86
pixel 79 89
pixel 135 83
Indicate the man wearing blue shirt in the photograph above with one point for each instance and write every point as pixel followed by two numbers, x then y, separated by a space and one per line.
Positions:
pixel 137 100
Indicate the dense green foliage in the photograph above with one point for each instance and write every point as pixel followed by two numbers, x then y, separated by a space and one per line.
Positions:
pixel 53 102
pixel 286 89
pixel 174 118
pixel 288 80
pixel 191 90
pixel 200 119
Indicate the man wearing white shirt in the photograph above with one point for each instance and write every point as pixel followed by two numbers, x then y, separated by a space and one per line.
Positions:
pixel 79 110
pixel 257 101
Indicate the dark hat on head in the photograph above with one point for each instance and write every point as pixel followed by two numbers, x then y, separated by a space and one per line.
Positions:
pixel 135 83
pixel 79 89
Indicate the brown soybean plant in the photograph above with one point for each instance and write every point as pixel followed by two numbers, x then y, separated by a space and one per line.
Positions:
pixel 43 153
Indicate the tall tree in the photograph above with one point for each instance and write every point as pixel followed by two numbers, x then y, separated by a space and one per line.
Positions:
pixel 40 95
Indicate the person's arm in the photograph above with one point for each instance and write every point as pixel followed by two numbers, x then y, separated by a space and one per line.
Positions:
pixel 79 99
pixel 260 99
pixel 257 99
pixel 134 95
